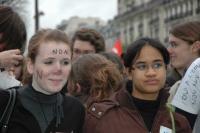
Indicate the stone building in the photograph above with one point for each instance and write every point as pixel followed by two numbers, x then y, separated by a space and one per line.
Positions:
pixel 74 23
pixel 149 18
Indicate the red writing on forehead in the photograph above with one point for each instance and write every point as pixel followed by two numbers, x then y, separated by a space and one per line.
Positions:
pixel 60 51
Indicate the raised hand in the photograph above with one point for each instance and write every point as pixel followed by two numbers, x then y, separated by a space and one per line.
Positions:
pixel 10 58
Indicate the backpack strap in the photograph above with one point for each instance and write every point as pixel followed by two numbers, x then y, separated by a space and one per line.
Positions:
pixel 8 110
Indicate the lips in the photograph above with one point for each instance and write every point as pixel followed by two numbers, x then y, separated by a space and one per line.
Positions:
pixel 172 56
pixel 152 82
pixel 56 81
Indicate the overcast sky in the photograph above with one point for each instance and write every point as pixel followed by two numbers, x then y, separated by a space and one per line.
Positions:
pixel 57 10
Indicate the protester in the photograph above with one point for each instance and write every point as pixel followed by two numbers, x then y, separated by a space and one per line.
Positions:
pixel 86 41
pixel 12 44
pixel 40 107
pixel 184 40
pixel 184 48
pixel 95 81
pixel 144 110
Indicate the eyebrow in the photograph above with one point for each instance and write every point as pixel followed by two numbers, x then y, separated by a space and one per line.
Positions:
pixel 52 58
pixel 157 60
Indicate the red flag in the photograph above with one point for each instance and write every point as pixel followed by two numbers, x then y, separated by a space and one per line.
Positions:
pixel 117 47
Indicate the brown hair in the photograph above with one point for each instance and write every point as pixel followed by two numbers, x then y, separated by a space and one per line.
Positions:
pixel 189 31
pixel 96 75
pixel 12 29
pixel 92 36
pixel 43 35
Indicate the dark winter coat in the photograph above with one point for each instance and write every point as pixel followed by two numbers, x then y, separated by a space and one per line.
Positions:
pixel 118 114
pixel 22 121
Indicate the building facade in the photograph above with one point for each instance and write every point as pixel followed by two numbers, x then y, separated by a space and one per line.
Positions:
pixel 149 18
pixel 75 23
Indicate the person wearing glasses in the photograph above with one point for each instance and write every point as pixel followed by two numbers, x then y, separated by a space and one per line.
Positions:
pixel 144 109
pixel 184 49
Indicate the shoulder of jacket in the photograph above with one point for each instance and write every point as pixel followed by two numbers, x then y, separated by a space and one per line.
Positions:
pixel 99 109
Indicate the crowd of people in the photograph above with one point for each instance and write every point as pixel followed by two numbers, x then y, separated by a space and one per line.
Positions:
pixel 75 86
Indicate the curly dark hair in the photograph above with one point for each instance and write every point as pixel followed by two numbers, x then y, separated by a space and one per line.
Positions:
pixel 92 36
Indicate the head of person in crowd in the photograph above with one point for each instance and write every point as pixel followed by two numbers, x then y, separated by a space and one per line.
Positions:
pixel 146 60
pixel 96 81
pixel 12 30
pixel 12 43
pixel 86 41
pixel 41 103
pixel 115 59
pixel 49 60
pixel 184 45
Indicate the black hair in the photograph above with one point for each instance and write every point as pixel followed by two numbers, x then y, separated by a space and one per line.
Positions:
pixel 135 48
pixel 12 28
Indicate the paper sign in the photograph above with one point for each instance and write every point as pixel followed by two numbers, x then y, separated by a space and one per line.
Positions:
pixel 165 130
pixel 188 94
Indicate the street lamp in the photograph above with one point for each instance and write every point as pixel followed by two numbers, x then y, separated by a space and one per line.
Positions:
pixel 37 16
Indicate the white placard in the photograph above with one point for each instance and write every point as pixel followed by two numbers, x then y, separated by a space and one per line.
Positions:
pixel 165 130
pixel 187 96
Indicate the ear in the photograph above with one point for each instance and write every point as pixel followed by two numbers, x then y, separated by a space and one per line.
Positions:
pixel 196 46
pixel 30 66
pixel 78 88
pixel 129 73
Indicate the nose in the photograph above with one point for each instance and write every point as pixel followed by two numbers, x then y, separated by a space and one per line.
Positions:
pixel 58 68
pixel 150 72
pixel 170 49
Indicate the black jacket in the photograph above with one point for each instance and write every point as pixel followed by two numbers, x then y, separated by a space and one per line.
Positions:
pixel 22 121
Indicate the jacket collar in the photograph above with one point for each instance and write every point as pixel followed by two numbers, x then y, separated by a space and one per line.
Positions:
pixel 125 99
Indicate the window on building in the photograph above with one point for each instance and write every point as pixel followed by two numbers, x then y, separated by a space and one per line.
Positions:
pixel 181 10
pixel 131 32
pixel 140 29
pixel 198 7
pixel 184 9
pixel 125 36
pixel 178 10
